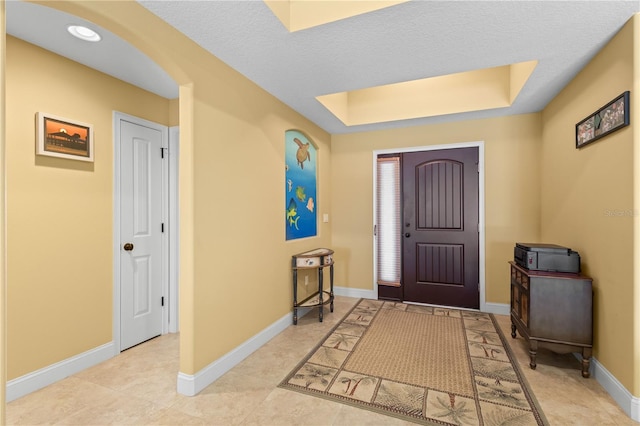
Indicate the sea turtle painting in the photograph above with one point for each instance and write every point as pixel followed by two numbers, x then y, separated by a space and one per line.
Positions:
pixel 300 185
pixel 303 152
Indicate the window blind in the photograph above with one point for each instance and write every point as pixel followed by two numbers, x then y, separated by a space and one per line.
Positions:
pixel 388 226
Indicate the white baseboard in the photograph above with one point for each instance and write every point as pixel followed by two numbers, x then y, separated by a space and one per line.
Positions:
pixel 629 403
pixel 190 385
pixel 38 379
pixel 497 308
pixel 355 292
pixel 635 409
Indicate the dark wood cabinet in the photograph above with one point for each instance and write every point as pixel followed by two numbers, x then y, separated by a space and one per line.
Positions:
pixel 553 310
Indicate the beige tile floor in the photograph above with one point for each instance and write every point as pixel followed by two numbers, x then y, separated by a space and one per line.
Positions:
pixel 138 387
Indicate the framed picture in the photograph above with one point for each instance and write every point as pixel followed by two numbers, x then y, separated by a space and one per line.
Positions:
pixel 64 138
pixel 609 118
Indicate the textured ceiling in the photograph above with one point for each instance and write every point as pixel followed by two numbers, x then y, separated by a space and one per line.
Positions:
pixel 412 40
pixel 47 28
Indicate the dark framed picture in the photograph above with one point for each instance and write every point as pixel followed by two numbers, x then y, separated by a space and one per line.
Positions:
pixel 611 117
pixel 64 138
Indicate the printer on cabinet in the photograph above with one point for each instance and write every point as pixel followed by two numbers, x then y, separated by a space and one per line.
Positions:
pixel 546 257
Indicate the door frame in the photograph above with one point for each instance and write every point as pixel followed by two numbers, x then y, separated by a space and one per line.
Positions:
pixel 481 204
pixel 174 229
pixel 168 205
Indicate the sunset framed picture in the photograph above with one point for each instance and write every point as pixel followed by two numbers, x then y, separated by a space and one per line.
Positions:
pixel 63 138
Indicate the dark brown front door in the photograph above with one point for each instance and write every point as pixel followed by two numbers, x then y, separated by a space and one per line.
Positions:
pixel 440 227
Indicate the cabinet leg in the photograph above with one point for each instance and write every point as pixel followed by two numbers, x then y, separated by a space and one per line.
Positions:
pixel 586 362
pixel 533 350
pixel 513 330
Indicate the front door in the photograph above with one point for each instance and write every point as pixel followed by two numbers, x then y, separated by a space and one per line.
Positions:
pixel 141 227
pixel 440 227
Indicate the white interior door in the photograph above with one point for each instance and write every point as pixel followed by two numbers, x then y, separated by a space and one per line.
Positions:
pixel 141 232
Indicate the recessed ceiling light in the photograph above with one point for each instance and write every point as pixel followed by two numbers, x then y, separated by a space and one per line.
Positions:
pixel 83 33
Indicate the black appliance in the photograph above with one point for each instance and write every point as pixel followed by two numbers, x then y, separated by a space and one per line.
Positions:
pixel 546 257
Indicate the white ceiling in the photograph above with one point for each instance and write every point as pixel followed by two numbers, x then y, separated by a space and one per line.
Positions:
pixel 413 40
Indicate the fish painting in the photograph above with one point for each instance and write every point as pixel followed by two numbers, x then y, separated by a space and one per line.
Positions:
pixel 292 213
pixel 300 185
pixel 303 152
pixel 300 193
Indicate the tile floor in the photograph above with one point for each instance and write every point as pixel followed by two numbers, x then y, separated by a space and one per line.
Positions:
pixel 138 387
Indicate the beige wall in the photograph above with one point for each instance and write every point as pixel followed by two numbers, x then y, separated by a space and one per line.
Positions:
pixel 242 271
pixel 511 209
pixel 60 212
pixel 587 198
pixel 3 288
pixel 174 112
pixel 235 277
pixel 635 96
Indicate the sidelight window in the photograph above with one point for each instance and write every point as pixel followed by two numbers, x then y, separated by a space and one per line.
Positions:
pixel 387 220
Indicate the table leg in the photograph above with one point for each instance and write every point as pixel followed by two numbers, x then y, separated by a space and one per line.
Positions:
pixel 513 330
pixel 295 295
pixel 320 295
pixel 331 285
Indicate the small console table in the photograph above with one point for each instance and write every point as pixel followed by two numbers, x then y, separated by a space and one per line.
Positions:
pixel 319 259
pixel 552 310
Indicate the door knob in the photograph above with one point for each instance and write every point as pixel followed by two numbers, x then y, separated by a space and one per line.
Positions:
pixel 128 247
pixel 407 235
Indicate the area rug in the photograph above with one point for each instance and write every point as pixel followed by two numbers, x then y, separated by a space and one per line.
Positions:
pixel 424 364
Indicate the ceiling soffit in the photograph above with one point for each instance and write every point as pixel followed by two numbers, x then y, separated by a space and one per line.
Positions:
pixel 298 15
pixel 477 90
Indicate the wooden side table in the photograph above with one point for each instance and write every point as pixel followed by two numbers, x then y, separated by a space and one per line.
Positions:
pixel 319 259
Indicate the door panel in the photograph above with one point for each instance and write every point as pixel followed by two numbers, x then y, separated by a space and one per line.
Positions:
pixel 440 245
pixel 440 263
pixel 438 192
pixel 141 286
pixel 140 225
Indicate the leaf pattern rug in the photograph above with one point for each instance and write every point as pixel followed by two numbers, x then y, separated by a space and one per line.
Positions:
pixel 428 365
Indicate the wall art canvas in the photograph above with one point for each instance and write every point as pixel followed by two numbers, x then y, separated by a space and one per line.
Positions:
pixel 64 138
pixel 611 117
pixel 300 186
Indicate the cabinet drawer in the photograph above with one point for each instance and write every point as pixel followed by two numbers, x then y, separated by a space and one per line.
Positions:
pixel 515 300
pixel 524 309
pixel 519 278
